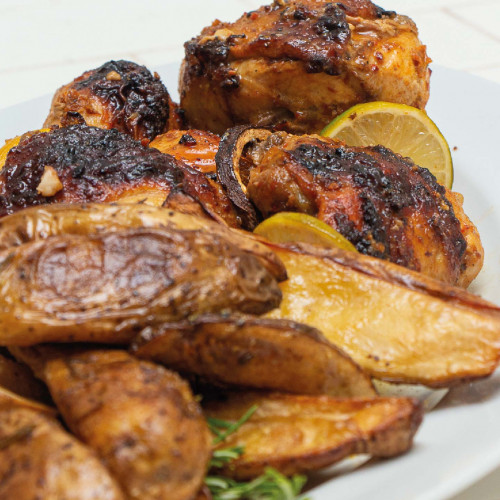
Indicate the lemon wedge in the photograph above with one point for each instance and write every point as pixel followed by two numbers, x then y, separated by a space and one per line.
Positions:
pixel 288 227
pixel 403 129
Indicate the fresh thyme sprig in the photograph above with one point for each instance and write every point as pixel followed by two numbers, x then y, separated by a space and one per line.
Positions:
pixel 223 429
pixel 225 455
pixel 272 485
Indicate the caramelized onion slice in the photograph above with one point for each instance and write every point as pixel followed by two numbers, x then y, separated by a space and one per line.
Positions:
pixel 229 172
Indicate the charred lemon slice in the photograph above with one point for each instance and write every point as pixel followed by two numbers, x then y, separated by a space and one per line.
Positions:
pixel 404 129
pixel 288 227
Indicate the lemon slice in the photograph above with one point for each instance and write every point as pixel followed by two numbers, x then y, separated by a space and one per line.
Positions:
pixel 287 227
pixel 404 129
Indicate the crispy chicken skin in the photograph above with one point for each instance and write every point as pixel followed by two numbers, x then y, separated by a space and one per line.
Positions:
pixel 120 95
pixel 82 164
pixel 387 206
pixel 296 64
pixel 140 418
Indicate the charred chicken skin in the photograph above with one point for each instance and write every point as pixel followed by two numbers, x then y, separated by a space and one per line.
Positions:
pixel 387 206
pixel 120 95
pixel 82 164
pixel 296 64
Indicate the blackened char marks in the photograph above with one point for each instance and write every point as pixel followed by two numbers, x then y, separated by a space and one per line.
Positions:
pixel 389 190
pixel 91 163
pixel 138 100
pixel 284 33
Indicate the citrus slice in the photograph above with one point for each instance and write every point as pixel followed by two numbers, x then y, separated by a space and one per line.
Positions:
pixel 288 227
pixel 403 129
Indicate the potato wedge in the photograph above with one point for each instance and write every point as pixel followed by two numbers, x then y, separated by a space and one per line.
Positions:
pixel 140 418
pixel 35 223
pixel 105 287
pixel 39 459
pixel 300 433
pixel 397 324
pixel 261 353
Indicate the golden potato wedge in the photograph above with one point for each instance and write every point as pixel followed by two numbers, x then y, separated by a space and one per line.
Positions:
pixel 35 223
pixel 397 324
pixel 261 353
pixel 104 287
pixel 38 459
pixel 140 418
pixel 299 433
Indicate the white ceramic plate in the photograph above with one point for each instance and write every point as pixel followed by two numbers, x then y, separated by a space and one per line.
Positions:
pixel 459 442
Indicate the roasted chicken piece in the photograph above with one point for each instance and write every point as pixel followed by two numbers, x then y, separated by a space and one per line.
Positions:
pixel 387 206
pixel 296 64
pixel 106 286
pixel 140 418
pixel 120 95
pixel 259 353
pixel 81 163
pixel 196 148
pixel 40 460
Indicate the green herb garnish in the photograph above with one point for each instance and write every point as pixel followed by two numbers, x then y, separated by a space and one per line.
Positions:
pixel 272 485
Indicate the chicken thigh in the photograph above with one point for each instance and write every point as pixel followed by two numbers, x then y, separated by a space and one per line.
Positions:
pixel 296 64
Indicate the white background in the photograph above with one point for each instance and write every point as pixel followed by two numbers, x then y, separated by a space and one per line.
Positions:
pixel 46 43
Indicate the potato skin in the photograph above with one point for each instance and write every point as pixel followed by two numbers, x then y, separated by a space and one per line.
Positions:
pixel 38 223
pixel 140 418
pixel 300 433
pixel 260 353
pixel 352 298
pixel 104 287
pixel 38 459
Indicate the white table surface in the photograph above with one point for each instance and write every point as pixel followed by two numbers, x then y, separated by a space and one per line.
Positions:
pixel 46 43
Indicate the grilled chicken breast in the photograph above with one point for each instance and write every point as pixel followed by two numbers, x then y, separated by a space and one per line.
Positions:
pixel 120 95
pixel 387 206
pixel 296 64
pixel 82 164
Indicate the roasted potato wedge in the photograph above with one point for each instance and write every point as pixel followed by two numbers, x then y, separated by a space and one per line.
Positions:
pixel 140 418
pixel 396 324
pixel 35 223
pixel 38 459
pixel 300 433
pixel 104 287
pixel 261 353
